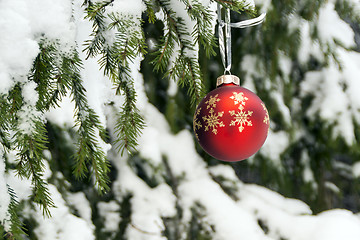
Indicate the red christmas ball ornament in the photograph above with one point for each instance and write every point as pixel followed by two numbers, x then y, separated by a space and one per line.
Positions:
pixel 231 123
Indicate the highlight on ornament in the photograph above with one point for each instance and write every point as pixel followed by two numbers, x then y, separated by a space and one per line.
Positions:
pixel 231 123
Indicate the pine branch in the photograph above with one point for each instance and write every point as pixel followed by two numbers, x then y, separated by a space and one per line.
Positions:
pixel 89 127
pixel 4 123
pixel 187 71
pixel 150 10
pixel 130 122
pixel 30 164
pixel 115 61
pixel 176 33
pixel 237 6
pixel 57 74
pixel 95 13
pixel 165 52
pixel 16 230
pixel 47 72
pixel 185 68
pixel 176 25
pixel 29 140
pixel 203 32
pixel 15 102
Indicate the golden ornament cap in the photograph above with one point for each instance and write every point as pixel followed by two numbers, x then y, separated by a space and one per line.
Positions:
pixel 225 79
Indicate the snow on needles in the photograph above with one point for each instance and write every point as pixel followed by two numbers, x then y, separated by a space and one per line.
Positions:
pixel 331 102
pixel 332 28
pixel 18 47
pixel 22 24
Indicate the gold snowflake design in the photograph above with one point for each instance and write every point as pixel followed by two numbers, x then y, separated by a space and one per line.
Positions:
pixel 266 118
pixel 239 98
pixel 212 101
pixel 212 121
pixel 196 123
pixel 241 118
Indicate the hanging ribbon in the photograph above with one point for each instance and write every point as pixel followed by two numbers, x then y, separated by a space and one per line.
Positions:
pixel 225 43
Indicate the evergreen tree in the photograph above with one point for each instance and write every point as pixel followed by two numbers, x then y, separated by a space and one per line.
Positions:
pixel 127 168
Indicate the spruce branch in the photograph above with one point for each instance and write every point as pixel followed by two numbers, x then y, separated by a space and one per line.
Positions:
pixel 129 43
pixel 46 69
pixel 88 153
pixel 16 230
pixel 115 60
pixel 176 25
pixel 202 33
pixel 4 123
pixel 150 10
pixel 4 138
pixel 95 13
pixel 187 71
pixel 15 101
pixel 29 139
pixel 30 164
pixel 237 6
pixel 130 123
pixel 165 52
pixel 185 68
pixel 56 75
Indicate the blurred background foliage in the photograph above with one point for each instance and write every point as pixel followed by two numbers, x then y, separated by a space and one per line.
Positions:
pixel 330 158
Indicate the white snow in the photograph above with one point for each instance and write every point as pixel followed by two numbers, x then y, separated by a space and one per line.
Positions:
pixel 331 27
pixel 297 224
pixel 331 186
pixel 275 144
pixel 29 93
pixel 148 204
pixel 110 211
pixel 265 5
pixel 149 143
pixel 356 170
pixel 334 91
pixel 351 72
pixel 225 171
pixel 79 201
pixel 22 24
pixel 128 8
pixel 62 225
pixel 22 187
pixel 64 114
pixel 279 99
pixel 53 19
pixel 253 68
pixel 330 101
pixel 17 47
pixel 308 46
pixel 28 115
pixel 308 174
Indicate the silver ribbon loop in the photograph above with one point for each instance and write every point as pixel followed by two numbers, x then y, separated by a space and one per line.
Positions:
pixel 221 25
pixel 228 40
pixel 250 22
pixel 225 52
